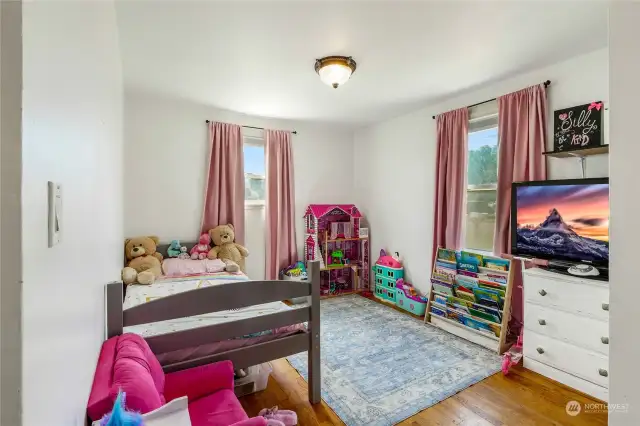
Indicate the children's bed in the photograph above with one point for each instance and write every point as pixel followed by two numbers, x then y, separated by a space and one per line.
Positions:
pixel 198 320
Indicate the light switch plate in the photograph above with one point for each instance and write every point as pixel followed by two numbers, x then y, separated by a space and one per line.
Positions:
pixel 55 213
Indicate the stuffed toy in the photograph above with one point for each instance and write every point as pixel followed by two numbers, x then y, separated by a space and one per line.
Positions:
pixel 174 249
pixel 183 253
pixel 225 249
pixel 120 416
pixel 144 263
pixel 200 250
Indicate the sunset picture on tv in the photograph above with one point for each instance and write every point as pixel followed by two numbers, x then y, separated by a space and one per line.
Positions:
pixel 565 221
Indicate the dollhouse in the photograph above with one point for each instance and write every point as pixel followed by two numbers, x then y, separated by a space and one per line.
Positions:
pixel 333 237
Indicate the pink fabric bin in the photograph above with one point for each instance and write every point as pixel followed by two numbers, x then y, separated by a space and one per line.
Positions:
pixel 126 362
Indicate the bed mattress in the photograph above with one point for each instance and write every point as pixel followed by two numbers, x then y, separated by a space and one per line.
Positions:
pixel 138 294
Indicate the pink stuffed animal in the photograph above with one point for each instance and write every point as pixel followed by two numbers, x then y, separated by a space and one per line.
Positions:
pixel 200 250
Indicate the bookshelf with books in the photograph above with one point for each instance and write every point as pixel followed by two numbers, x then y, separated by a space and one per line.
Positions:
pixel 470 297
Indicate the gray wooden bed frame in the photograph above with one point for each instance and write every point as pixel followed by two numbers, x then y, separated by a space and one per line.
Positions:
pixel 222 297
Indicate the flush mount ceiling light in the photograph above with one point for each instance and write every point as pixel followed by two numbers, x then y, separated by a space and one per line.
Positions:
pixel 335 70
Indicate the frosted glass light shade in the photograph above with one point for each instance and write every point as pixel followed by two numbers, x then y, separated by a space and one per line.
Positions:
pixel 335 70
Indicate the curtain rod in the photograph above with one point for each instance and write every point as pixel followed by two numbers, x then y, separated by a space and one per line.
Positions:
pixel 251 127
pixel 546 84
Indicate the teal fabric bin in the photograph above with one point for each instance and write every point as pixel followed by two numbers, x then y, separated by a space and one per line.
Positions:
pixel 408 304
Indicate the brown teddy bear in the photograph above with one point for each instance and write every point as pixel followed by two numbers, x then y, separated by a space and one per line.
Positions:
pixel 225 249
pixel 144 263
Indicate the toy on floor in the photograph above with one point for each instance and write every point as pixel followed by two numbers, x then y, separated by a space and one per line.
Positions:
pixel 408 298
pixel 512 356
pixel 200 250
pixel 286 417
pixel 119 416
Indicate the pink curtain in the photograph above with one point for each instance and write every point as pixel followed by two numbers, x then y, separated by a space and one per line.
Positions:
pixel 224 187
pixel 522 118
pixel 451 172
pixel 280 207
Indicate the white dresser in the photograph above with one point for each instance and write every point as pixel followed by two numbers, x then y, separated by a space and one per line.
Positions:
pixel 566 330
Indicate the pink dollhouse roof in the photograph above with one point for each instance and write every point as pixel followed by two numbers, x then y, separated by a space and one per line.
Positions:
pixel 319 210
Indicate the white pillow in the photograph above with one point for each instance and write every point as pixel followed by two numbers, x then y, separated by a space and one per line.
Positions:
pixel 173 413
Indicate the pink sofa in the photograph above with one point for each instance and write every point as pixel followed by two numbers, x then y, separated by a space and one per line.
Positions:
pixel 126 362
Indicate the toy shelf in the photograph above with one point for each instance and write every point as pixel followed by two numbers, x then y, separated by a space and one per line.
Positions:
pixel 497 343
pixel 337 240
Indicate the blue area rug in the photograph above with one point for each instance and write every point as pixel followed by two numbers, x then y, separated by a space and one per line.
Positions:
pixel 380 366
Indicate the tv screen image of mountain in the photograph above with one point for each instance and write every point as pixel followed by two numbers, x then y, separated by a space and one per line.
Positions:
pixel 561 220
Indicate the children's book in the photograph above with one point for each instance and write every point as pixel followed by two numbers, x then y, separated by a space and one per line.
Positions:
pixel 440 299
pixel 456 303
pixel 502 279
pixel 466 281
pixel 442 287
pixel 468 257
pixel 490 284
pixel 484 315
pixel 497 264
pixel 487 297
pixel 446 265
pixel 465 295
pixel 438 311
pixel 468 273
pixel 442 277
pixel 497 290
pixel 468 267
pixel 446 254
pixel 490 303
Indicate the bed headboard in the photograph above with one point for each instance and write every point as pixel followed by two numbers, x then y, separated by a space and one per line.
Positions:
pixel 162 248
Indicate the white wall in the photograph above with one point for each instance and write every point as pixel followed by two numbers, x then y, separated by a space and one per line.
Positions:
pixel 165 158
pixel 624 45
pixel 72 134
pixel 395 159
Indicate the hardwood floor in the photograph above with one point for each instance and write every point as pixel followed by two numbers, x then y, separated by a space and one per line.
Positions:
pixel 522 398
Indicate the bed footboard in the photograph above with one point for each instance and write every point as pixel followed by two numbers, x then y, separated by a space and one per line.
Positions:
pixel 230 296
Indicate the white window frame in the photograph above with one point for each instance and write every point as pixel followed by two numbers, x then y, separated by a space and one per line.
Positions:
pixel 253 141
pixel 481 117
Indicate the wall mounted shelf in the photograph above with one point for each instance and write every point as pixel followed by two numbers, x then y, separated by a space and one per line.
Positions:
pixel 602 149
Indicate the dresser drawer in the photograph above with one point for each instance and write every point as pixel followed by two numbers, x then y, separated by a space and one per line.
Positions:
pixel 572 359
pixel 582 331
pixel 583 298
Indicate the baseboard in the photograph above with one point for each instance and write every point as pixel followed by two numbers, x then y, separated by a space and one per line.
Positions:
pixel 588 388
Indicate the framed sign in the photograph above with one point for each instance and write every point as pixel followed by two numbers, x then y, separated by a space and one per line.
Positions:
pixel 578 127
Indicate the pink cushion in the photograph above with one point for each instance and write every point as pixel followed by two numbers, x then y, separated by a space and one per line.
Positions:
pixel 185 267
pixel 100 401
pixel 219 409
pixel 137 372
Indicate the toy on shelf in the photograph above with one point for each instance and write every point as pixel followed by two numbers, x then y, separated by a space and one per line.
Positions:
pixel 333 238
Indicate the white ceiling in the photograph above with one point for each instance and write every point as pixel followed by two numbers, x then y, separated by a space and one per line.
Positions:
pixel 257 57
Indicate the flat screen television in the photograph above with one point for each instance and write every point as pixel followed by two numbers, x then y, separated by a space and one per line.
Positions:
pixel 565 220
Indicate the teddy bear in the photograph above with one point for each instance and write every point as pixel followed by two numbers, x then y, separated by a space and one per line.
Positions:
pixel 183 253
pixel 174 249
pixel 201 250
pixel 225 249
pixel 144 263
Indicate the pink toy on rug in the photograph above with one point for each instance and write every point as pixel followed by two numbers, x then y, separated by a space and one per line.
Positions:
pixel 389 261
pixel 286 417
pixel 200 250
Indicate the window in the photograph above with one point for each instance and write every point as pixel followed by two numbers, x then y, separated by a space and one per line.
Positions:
pixel 482 179
pixel 254 172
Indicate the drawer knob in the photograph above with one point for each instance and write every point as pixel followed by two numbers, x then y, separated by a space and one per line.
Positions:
pixel 604 340
pixel 605 306
pixel 603 372
pixel 544 293
pixel 540 350
pixel 542 322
